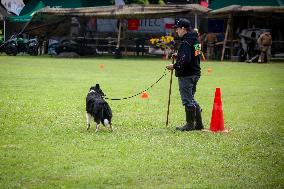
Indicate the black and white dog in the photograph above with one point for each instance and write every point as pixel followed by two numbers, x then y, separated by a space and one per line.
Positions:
pixel 97 108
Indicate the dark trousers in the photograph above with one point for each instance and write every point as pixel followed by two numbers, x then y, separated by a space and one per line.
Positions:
pixel 187 89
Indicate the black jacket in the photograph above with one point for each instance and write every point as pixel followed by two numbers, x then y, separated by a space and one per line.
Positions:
pixel 187 64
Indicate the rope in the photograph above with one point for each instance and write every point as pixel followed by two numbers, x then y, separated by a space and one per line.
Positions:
pixel 124 98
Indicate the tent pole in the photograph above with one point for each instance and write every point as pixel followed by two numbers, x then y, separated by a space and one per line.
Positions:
pixel 118 37
pixel 195 21
pixel 4 29
pixel 231 38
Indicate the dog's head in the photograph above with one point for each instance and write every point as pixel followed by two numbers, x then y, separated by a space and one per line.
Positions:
pixel 96 89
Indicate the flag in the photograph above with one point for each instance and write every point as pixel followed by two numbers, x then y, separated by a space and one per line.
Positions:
pixel 132 24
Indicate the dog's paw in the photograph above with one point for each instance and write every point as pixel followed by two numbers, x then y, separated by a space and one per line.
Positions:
pixel 88 127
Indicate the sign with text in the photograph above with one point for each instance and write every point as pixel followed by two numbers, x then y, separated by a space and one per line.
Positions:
pixel 134 25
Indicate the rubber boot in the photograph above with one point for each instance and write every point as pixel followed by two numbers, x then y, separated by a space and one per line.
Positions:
pixel 190 117
pixel 198 119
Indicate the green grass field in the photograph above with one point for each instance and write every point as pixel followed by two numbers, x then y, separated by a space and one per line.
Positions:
pixel 44 142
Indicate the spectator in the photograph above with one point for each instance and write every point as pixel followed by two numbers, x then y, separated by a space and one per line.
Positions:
pixel 264 42
pixel 210 41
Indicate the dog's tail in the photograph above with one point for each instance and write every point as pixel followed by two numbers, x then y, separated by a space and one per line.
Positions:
pixel 106 122
pixel 107 110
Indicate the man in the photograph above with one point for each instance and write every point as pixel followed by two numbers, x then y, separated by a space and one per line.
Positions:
pixel 251 47
pixel 264 42
pixel 210 41
pixel 187 69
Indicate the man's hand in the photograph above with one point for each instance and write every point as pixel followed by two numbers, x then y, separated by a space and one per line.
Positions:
pixel 170 67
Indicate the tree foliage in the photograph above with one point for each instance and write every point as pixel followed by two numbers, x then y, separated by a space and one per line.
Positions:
pixel 26 1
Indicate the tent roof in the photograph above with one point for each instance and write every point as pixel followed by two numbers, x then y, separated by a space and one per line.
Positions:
pixel 217 4
pixel 3 12
pixel 37 5
pixel 52 17
pixel 124 12
pixel 246 10
pixel 31 6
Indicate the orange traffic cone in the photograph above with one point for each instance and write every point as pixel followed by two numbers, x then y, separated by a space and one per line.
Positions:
pixel 217 119
pixel 209 70
pixel 102 66
pixel 144 95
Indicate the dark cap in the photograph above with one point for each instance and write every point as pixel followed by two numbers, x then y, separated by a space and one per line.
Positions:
pixel 182 23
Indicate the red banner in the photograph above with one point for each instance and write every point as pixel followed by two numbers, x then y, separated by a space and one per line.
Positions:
pixel 169 26
pixel 132 24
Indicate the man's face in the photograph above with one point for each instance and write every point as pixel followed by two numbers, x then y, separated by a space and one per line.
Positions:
pixel 181 31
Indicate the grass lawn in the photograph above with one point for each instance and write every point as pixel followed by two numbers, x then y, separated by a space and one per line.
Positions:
pixel 44 142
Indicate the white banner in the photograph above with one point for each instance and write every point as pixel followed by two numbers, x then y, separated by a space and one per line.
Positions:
pixel 145 25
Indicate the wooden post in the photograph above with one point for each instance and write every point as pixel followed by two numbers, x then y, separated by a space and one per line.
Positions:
pixel 226 36
pixel 232 38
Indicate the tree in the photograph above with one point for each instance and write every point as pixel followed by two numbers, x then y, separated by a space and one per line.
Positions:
pixel 26 1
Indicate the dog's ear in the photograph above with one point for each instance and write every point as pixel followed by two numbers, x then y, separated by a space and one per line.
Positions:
pixel 98 86
pixel 92 88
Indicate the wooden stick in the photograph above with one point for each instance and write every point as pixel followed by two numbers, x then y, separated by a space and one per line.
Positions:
pixel 170 92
